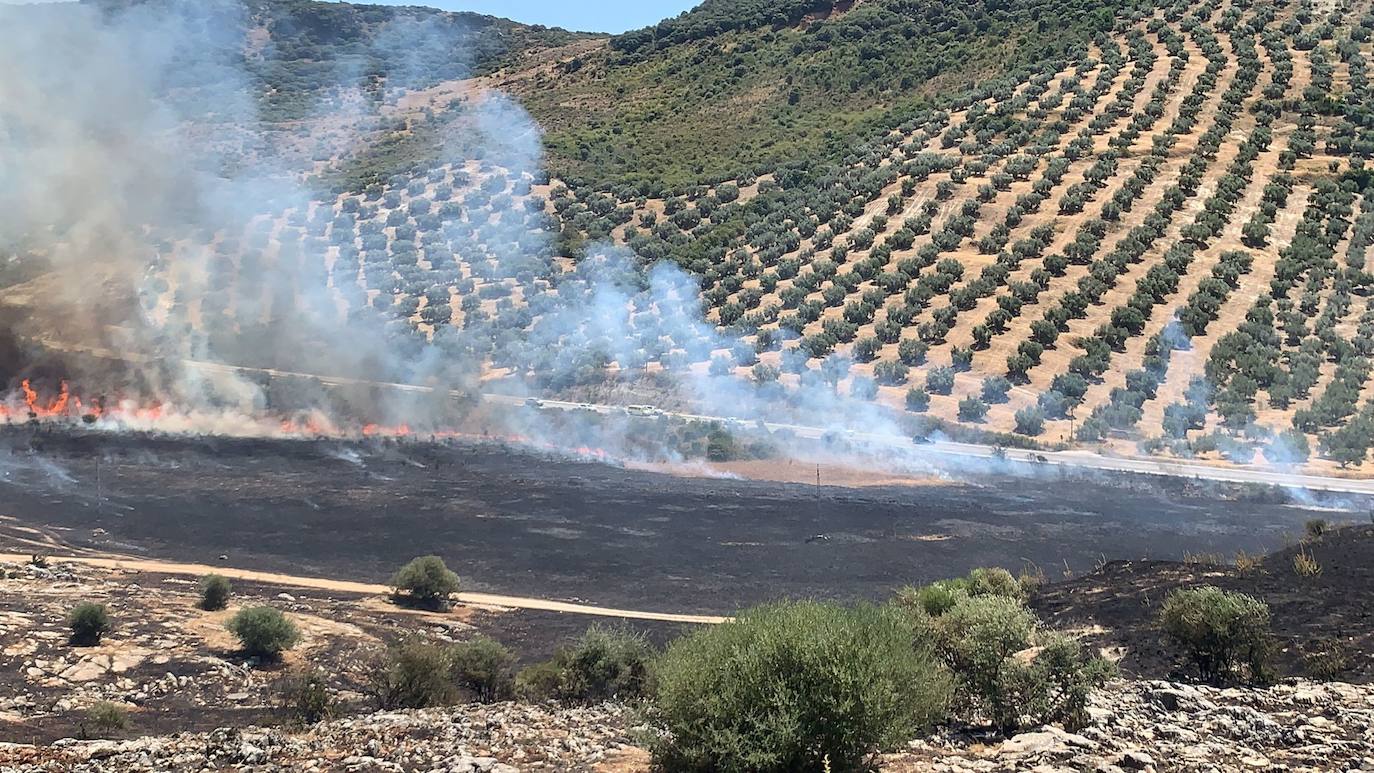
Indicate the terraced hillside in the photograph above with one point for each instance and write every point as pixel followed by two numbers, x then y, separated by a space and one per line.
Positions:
pixel 1153 243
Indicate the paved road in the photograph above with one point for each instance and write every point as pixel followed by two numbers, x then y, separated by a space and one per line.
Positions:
pixel 932 452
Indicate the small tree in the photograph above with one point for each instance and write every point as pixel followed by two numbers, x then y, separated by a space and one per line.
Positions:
pixel 917 400
pixel 604 663
pixel 214 592
pixel 940 380
pixel 263 631
pixel 1225 634
pixel 1030 421
pixel 483 667
pixel 89 623
pixel 425 582
pixel 972 409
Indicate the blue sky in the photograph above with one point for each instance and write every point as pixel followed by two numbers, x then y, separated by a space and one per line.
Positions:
pixel 586 15
pixel 583 16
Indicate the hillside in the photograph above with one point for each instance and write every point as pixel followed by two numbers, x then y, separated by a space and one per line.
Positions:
pixel 1142 231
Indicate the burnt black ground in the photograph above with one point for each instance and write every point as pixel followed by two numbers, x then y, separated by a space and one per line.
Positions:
pixel 522 523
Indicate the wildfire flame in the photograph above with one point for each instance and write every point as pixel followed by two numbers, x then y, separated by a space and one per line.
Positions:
pixel 127 413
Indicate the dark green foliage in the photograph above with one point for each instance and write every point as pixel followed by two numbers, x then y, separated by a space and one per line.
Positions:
pixel 1225 634
pixel 603 664
pixel 214 592
pixel 981 637
pixel 89 622
pixel 483 667
pixel 263 631
pixel 413 674
pixel 425 582
pixel 798 686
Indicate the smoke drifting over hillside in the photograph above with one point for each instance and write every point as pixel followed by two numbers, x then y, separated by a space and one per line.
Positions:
pixel 115 180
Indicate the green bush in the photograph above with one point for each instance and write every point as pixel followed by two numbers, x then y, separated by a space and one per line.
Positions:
pixel 413 674
pixel 484 668
pixel 982 639
pixel 1225 634
pixel 799 686
pixel 425 582
pixel 539 682
pixel 89 623
pixel 107 717
pixel 214 592
pixel 604 663
pixel 263 631
pixel 940 596
pixel 305 696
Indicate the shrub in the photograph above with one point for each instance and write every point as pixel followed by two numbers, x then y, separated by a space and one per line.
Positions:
pixel 799 686
pixel 940 596
pixel 483 667
pixel 604 663
pixel 983 640
pixel 214 592
pixel 412 675
pixel 1316 528
pixel 425 582
pixel 107 717
pixel 1225 634
pixel 537 682
pixel 1305 564
pixel 305 696
pixel 89 623
pixel 263 631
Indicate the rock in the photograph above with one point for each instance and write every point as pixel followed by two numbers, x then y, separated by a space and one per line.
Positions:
pixel 1136 760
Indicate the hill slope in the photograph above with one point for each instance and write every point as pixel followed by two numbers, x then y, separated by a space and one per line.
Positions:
pixel 1143 229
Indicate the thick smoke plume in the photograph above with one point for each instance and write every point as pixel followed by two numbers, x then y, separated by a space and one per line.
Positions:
pixel 121 174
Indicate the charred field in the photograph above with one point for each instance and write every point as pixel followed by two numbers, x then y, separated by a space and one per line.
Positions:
pixel 518 522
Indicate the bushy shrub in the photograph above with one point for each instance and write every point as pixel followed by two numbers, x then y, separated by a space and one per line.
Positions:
pixel 413 674
pixel 983 640
pixel 214 592
pixel 483 667
pixel 537 682
pixel 305 696
pixel 604 663
pixel 89 622
pixel 107 717
pixel 939 597
pixel 1225 634
pixel 425 582
pixel 263 631
pixel 800 686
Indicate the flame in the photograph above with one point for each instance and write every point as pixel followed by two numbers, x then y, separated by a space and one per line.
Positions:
pixel 131 413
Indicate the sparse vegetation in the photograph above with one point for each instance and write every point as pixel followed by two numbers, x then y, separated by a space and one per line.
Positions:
pixel 305 697
pixel 107 717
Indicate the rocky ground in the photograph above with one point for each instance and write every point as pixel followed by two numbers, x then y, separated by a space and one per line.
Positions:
pixel 1136 726
pixel 193 702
